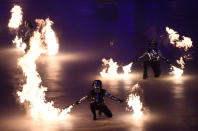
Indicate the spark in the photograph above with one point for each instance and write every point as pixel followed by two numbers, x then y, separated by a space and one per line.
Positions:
pixel 33 92
pixel 111 69
pixel 134 103
pixel 16 18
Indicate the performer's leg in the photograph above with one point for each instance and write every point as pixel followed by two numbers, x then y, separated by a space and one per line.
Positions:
pixel 93 110
pixel 106 111
pixel 145 75
pixel 156 68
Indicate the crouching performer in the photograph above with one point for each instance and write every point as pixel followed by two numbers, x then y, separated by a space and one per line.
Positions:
pixel 153 59
pixel 96 97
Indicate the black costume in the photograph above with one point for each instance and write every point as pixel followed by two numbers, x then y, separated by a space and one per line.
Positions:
pixel 96 97
pixel 153 59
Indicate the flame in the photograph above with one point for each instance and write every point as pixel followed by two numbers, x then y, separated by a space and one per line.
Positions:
pixel 14 23
pixel 111 69
pixel 181 62
pixel 173 35
pixel 50 36
pixel 19 43
pixel 185 43
pixel 16 19
pixel 176 72
pixel 134 102
pixel 33 92
pixel 127 69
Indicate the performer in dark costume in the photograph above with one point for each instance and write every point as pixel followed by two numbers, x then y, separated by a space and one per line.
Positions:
pixel 96 97
pixel 153 59
pixel 28 34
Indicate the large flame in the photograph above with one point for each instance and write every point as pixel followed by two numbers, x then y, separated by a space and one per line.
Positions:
pixel 185 43
pixel 134 102
pixel 16 18
pixel 33 92
pixel 111 69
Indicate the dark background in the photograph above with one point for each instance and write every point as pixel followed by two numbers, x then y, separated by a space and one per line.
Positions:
pixel 85 28
pixel 131 24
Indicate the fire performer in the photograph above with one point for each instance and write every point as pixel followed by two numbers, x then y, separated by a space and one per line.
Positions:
pixel 153 59
pixel 29 31
pixel 96 97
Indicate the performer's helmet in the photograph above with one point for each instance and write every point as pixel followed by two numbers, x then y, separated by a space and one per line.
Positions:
pixel 153 44
pixel 97 84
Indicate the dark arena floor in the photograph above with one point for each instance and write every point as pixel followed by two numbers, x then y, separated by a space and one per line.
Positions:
pixel 89 31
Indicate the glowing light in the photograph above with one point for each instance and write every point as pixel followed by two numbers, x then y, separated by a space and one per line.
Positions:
pixel 176 72
pixel 181 62
pixel 16 18
pixel 19 43
pixel 134 102
pixel 127 69
pixel 173 35
pixel 111 69
pixel 33 93
pixel 185 43
pixel 49 35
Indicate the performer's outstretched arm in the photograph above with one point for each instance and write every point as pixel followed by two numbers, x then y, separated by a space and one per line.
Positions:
pixel 163 58
pixel 142 56
pixel 112 97
pixel 82 99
